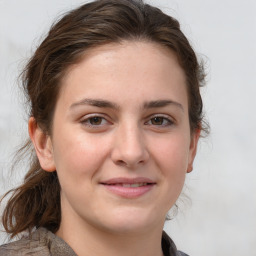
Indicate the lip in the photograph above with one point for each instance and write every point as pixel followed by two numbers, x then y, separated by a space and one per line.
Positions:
pixel 116 186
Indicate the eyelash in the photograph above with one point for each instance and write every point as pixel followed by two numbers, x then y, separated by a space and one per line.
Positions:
pixel 87 121
pixel 166 121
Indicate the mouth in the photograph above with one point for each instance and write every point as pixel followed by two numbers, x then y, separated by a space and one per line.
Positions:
pixel 128 185
pixel 129 188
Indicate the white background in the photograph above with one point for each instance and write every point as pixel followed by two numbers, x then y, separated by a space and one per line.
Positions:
pixel 221 220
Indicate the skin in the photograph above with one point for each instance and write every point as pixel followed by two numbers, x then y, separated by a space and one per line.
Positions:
pixel 142 131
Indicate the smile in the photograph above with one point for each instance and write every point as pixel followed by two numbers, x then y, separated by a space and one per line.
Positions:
pixel 129 188
pixel 134 185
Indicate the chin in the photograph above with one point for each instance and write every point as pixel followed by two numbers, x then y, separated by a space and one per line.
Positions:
pixel 133 221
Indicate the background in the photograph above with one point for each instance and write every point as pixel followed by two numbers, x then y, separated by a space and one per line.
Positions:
pixel 221 219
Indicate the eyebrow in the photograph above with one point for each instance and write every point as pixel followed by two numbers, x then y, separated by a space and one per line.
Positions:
pixel 162 103
pixel 96 103
pixel 108 104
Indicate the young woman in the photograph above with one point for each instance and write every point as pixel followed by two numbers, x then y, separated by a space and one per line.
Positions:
pixel 115 119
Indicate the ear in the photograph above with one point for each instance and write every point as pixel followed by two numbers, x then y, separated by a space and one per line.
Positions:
pixel 42 144
pixel 193 148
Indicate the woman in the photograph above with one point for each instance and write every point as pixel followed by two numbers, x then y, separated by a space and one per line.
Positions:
pixel 115 119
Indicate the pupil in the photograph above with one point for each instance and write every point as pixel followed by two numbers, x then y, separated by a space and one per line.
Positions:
pixel 95 120
pixel 157 120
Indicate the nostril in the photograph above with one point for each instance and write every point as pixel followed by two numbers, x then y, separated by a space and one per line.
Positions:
pixel 120 162
pixel 128 164
pixel 125 155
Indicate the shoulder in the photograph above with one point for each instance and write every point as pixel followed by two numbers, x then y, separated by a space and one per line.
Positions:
pixel 40 243
pixel 34 244
pixel 169 248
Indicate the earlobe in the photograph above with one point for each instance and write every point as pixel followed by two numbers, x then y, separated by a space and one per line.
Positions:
pixel 193 149
pixel 42 144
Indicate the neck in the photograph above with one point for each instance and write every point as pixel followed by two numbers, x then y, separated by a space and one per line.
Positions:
pixel 87 240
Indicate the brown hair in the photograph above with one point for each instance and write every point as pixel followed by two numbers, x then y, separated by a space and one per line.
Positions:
pixel 36 203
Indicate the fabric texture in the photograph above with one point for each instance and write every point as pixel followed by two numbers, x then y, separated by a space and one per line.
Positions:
pixel 42 242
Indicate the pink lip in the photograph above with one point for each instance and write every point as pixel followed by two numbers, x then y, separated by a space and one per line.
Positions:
pixel 127 180
pixel 115 186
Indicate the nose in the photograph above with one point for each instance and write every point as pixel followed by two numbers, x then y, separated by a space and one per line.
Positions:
pixel 129 147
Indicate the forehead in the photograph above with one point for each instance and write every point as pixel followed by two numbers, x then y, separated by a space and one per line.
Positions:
pixel 128 52
pixel 139 68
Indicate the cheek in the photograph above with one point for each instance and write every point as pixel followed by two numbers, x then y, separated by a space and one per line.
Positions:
pixel 172 160
pixel 171 156
pixel 172 153
pixel 78 154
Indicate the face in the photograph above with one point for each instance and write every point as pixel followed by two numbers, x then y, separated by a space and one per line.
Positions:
pixel 121 140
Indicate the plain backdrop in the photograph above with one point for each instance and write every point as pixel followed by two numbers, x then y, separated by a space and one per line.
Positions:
pixel 221 219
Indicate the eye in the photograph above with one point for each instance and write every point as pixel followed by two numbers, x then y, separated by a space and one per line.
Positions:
pixel 94 121
pixel 160 121
pixel 157 120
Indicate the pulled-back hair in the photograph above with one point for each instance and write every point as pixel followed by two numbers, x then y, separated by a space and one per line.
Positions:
pixel 36 203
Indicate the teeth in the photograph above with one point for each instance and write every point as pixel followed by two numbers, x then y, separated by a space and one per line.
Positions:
pixel 134 185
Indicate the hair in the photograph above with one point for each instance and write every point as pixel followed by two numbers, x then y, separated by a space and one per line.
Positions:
pixel 36 203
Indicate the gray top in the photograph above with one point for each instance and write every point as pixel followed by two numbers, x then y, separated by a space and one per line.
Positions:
pixel 43 242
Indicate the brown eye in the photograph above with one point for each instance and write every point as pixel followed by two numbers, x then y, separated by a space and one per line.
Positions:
pixel 160 121
pixel 96 120
pixel 157 120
